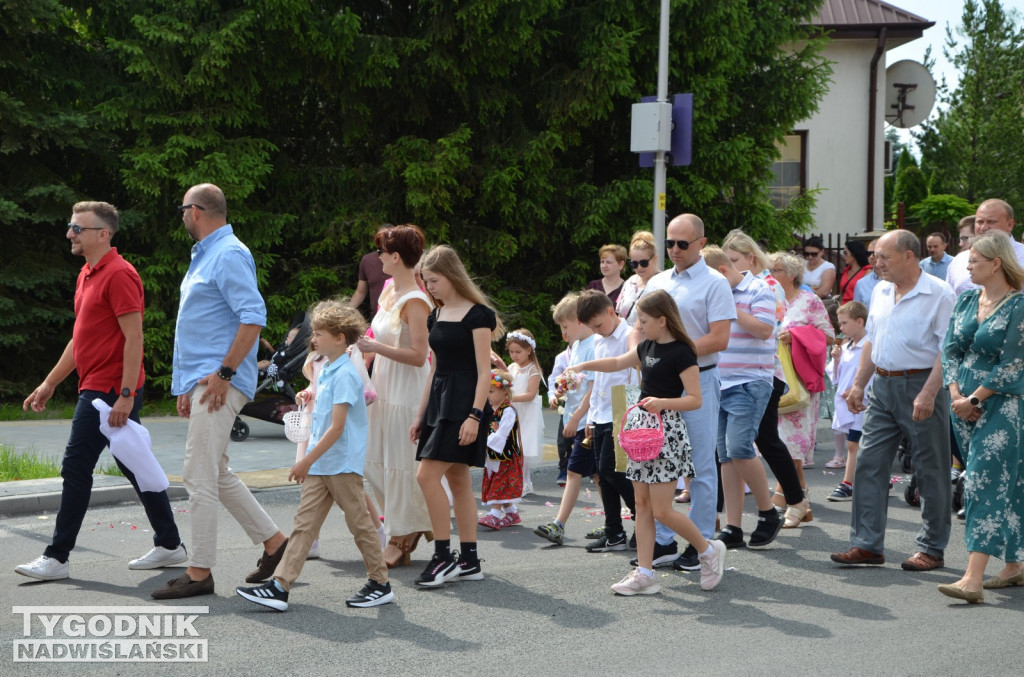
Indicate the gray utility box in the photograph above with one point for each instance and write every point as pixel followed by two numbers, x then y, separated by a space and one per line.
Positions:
pixel 651 128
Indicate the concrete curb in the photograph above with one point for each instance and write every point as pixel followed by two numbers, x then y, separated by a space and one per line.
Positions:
pixel 49 501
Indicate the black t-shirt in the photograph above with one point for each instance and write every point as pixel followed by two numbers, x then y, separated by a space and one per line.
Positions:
pixel 661 364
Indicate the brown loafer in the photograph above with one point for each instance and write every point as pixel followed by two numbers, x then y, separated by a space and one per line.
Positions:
pixel 858 556
pixel 183 586
pixel 922 561
pixel 265 565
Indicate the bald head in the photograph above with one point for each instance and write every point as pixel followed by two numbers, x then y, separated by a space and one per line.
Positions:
pixel 210 197
pixel 694 221
pixel 993 214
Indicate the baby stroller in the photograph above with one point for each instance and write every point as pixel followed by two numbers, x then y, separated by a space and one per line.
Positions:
pixel 275 395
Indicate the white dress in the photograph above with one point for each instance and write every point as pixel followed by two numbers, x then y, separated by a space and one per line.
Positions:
pixel 390 456
pixel 531 420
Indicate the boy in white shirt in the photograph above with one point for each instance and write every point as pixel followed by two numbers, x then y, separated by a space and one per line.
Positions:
pixel 843 367
pixel 582 461
pixel 595 310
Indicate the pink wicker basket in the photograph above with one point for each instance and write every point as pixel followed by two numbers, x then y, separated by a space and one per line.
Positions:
pixel 641 444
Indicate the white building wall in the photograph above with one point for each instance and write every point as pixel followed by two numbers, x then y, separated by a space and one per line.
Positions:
pixel 837 153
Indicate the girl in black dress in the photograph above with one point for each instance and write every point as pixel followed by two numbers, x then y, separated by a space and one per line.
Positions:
pixel 452 423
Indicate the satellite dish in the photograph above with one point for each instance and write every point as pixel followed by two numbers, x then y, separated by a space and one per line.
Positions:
pixel 909 94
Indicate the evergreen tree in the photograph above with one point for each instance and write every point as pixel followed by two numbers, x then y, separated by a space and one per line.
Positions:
pixel 499 127
pixel 971 146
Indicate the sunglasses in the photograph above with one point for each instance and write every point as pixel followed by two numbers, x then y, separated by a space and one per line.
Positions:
pixel 181 208
pixel 682 244
pixel 811 255
pixel 77 229
pixel 639 264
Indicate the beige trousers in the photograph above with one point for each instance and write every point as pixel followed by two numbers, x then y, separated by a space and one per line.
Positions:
pixel 210 482
pixel 319 494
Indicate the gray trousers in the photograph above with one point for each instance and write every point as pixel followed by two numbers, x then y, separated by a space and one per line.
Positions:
pixel 889 417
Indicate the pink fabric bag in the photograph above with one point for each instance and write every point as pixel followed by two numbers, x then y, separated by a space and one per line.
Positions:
pixel 809 350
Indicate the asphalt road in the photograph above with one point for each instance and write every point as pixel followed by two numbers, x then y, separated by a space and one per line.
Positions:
pixel 543 609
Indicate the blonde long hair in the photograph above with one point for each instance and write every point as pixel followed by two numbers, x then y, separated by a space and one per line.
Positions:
pixel 445 261
pixel 661 304
pixel 740 242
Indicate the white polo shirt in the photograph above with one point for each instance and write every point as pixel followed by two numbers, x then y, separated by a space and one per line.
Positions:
pixel 615 344
pixel 909 334
pixel 703 296
pixel 959 278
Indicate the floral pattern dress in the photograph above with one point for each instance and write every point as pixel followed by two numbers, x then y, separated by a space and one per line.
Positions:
pixel 990 354
pixel 797 429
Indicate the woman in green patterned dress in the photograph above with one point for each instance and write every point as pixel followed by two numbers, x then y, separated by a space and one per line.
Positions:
pixel 983 367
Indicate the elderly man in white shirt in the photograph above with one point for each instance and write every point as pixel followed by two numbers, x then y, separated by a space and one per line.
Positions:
pixel 907 323
pixel 992 214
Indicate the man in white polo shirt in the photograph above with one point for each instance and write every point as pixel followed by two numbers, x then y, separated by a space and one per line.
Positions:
pixel 991 215
pixel 706 306
pixel 907 323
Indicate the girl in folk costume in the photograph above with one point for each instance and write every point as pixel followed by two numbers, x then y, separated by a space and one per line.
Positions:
pixel 526 377
pixel 503 471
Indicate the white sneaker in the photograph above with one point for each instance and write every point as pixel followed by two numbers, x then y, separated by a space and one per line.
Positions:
pixel 314 550
pixel 712 566
pixel 636 584
pixel 160 557
pixel 43 568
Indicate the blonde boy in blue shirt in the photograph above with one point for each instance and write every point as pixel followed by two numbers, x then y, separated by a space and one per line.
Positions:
pixel 332 470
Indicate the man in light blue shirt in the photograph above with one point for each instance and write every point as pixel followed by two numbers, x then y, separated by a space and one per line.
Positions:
pixel 866 285
pixel 938 260
pixel 220 316
pixel 706 306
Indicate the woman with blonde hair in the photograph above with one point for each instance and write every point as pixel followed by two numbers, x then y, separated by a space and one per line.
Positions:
pixel 454 416
pixel 982 360
pixel 643 259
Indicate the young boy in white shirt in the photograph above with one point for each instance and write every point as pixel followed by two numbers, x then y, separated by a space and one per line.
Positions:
pixel 582 460
pixel 595 310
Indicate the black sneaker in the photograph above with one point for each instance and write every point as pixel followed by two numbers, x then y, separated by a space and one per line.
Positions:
pixel 664 555
pixel 732 537
pixel 265 595
pixel 688 561
pixel 438 571
pixel 768 527
pixel 608 544
pixel 371 594
pixel 470 571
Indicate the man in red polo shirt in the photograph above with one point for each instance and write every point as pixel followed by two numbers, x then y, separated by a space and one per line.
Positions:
pixel 106 350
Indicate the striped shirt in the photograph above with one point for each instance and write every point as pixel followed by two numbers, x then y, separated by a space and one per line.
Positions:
pixel 748 358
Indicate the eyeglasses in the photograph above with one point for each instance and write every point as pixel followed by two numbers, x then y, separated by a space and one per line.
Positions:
pixel 639 264
pixel 773 271
pixel 181 208
pixel 811 255
pixel 682 244
pixel 77 229
pixel 974 262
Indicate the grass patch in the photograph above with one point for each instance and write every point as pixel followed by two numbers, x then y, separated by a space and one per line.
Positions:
pixel 25 465
pixel 11 411
pixel 109 468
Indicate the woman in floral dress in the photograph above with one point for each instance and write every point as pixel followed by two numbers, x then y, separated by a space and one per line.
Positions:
pixel 797 429
pixel 983 367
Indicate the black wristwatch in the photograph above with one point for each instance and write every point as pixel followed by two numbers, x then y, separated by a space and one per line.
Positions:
pixel 975 402
pixel 125 392
pixel 226 373
pixel 478 413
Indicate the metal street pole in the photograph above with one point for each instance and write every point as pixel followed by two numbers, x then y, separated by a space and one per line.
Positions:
pixel 658 220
